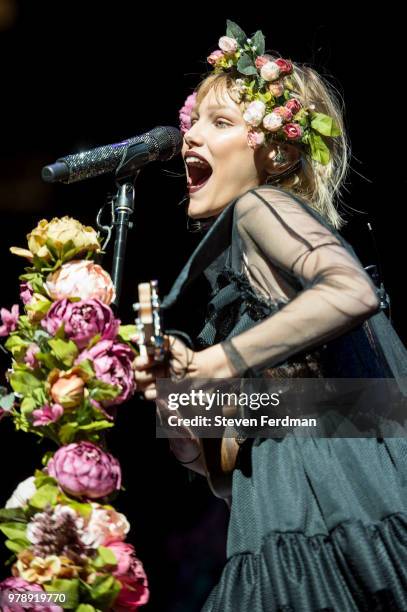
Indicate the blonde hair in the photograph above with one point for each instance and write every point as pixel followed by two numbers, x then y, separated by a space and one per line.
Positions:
pixel 319 185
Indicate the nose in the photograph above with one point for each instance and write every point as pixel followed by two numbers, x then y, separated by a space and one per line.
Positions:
pixel 194 136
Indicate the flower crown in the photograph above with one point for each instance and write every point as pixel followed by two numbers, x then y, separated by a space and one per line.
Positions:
pixel 273 110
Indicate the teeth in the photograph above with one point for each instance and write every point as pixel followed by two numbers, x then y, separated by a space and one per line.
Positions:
pixel 196 160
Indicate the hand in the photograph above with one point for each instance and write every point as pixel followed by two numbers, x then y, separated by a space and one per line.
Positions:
pixel 182 363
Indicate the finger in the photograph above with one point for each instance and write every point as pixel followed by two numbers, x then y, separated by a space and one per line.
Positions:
pixel 142 377
pixel 150 393
pixel 143 363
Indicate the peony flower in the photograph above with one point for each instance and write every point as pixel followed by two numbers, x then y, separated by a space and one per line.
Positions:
pixel 285 66
pixel 81 279
pixel 112 362
pixel 284 113
pixel 29 357
pixel 17 586
pixel 260 61
pixel 24 491
pixel 185 113
pixel 123 553
pixel 47 414
pixel 270 71
pixel 84 470
pixel 66 388
pixel 26 292
pixel 293 105
pixel 82 320
pixel 293 131
pixel 9 319
pixel 255 113
pixel 276 89
pixel 272 122
pixel 134 592
pixel 228 45
pixel 255 139
pixel 215 56
pixel 104 526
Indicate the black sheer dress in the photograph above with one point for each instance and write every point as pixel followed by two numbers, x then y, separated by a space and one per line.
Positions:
pixel 315 524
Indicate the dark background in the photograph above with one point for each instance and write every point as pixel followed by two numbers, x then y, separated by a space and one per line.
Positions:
pixel 80 74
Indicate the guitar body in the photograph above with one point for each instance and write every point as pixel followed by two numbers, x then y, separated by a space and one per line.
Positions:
pixel 219 457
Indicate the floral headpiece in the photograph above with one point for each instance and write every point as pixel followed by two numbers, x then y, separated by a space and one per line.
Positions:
pixel 273 110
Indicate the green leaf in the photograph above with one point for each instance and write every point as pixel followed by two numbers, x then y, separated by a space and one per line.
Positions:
pixel 234 31
pixel 24 382
pixel 47 359
pixel 7 401
pixel 100 390
pixel 319 150
pixel 46 494
pixel 15 515
pixel 41 478
pixel 105 557
pixel 83 509
pixel 85 608
pixel 96 426
pixel 67 432
pixel 14 531
pixel 260 42
pixel 245 65
pixel 17 346
pixel 127 332
pixel 42 306
pixel 86 366
pixel 70 588
pixel 16 546
pixel 65 350
pixel 27 406
pixel 325 125
pixel 104 591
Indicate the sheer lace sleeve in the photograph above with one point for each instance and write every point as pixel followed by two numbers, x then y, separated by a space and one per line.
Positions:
pixel 281 239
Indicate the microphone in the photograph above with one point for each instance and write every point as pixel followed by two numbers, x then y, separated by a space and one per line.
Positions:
pixel 161 143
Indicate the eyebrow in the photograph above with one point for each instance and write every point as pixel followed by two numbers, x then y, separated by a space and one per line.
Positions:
pixel 215 107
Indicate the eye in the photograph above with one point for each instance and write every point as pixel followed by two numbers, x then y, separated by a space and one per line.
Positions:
pixel 222 123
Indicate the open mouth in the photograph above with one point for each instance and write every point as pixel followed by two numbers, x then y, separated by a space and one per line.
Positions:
pixel 199 173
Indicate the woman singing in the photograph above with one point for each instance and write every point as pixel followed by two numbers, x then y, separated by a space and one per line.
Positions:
pixel 315 523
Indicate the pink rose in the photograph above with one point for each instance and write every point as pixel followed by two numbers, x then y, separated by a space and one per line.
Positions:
pixel 254 113
pixel 293 131
pixel 82 320
pixel 84 470
pixel 215 56
pixel 270 71
pixel 47 414
pixel 255 139
pixel 18 586
pixel 67 389
pixel 134 592
pixel 285 66
pixel 26 292
pixel 9 319
pixel 123 553
pixel 104 526
pixel 276 89
pixel 112 362
pixel 272 122
pixel 260 61
pixel 293 105
pixel 228 45
pixel 185 113
pixel 81 279
pixel 284 113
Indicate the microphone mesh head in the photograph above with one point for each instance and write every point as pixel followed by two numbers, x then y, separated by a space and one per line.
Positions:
pixel 163 142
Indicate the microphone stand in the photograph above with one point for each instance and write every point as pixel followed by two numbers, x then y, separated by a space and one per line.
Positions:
pixel 122 210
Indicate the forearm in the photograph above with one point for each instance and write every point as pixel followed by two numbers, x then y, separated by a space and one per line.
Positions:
pixel 188 452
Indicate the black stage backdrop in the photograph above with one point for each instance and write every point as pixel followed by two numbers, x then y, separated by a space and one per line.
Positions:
pixel 79 74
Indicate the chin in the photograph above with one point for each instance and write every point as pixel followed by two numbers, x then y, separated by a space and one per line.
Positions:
pixel 198 210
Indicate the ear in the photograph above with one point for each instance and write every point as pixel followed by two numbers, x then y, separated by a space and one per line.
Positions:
pixel 280 157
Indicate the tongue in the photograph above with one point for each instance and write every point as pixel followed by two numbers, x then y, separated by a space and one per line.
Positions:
pixel 199 176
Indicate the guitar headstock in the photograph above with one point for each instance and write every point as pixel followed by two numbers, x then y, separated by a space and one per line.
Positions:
pixel 150 336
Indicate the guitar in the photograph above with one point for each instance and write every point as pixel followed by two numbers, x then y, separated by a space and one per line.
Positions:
pixel 218 454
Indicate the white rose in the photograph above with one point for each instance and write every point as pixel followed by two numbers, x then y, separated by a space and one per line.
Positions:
pixel 255 113
pixel 22 494
pixel 228 44
pixel 270 71
pixel 104 526
pixel 272 122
